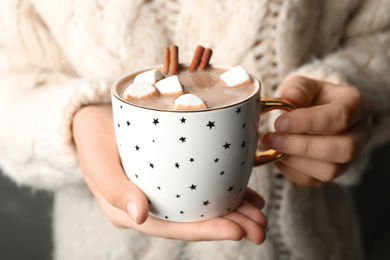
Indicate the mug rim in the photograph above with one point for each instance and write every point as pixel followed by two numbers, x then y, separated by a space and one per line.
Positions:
pixel 114 91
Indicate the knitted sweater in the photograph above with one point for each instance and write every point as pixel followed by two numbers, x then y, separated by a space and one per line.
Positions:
pixel 56 56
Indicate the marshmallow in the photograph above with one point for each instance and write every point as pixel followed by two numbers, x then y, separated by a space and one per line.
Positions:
pixel 236 76
pixel 189 101
pixel 140 90
pixel 150 76
pixel 169 86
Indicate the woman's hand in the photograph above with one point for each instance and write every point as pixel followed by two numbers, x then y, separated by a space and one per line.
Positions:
pixel 124 203
pixel 324 135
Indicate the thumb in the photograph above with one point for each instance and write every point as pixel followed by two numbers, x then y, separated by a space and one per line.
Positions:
pixel 99 160
pixel 300 91
pixel 126 196
pixel 122 195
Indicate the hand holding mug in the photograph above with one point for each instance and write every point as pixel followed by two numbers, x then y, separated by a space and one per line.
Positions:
pixel 126 206
pixel 192 164
pixel 325 135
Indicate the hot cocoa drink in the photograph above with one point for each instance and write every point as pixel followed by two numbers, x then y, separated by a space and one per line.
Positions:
pixel 187 135
pixel 205 84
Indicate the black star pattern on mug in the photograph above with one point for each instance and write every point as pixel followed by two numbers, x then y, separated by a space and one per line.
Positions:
pixel 226 145
pixel 121 106
pixel 231 189
pixel 211 124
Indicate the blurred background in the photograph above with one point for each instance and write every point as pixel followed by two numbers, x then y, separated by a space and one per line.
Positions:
pixel 25 215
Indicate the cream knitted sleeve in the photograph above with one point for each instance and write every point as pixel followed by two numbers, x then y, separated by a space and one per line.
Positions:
pixel 39 93
pixel 363 61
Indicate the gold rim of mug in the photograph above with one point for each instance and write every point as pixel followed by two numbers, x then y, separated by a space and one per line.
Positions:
pixel 114 91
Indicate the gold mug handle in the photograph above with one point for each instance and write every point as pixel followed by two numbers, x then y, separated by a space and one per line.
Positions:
pixel 268 104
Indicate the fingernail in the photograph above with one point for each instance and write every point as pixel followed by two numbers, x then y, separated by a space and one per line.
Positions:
pixel 276 141
pixel 284 124
pixel 132 210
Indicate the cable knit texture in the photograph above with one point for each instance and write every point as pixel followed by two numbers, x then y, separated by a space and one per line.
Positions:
pixel 57 56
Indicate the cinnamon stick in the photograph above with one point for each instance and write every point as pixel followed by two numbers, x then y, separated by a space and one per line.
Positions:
pixel 166 60
pixel 204 62
pixel 174 61
pixel 197 58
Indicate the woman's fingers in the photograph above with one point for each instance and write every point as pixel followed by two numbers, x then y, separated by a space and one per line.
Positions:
pixel 326 132
pixel 99 160
pixel 254 198
pixel 112 183
pixel 295 176
pixel 300 91
pixel 323 107
pixel 248 210
pixel 246 222
pixel 342 148
pixel 252 230
pixel 249 217
pixel 209 230
pixel 312 169
pixel 329 118
pixel 234 226
pixel 118 217
pixel 126 196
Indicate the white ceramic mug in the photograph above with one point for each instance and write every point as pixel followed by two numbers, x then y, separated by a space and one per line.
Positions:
pixel 192 165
